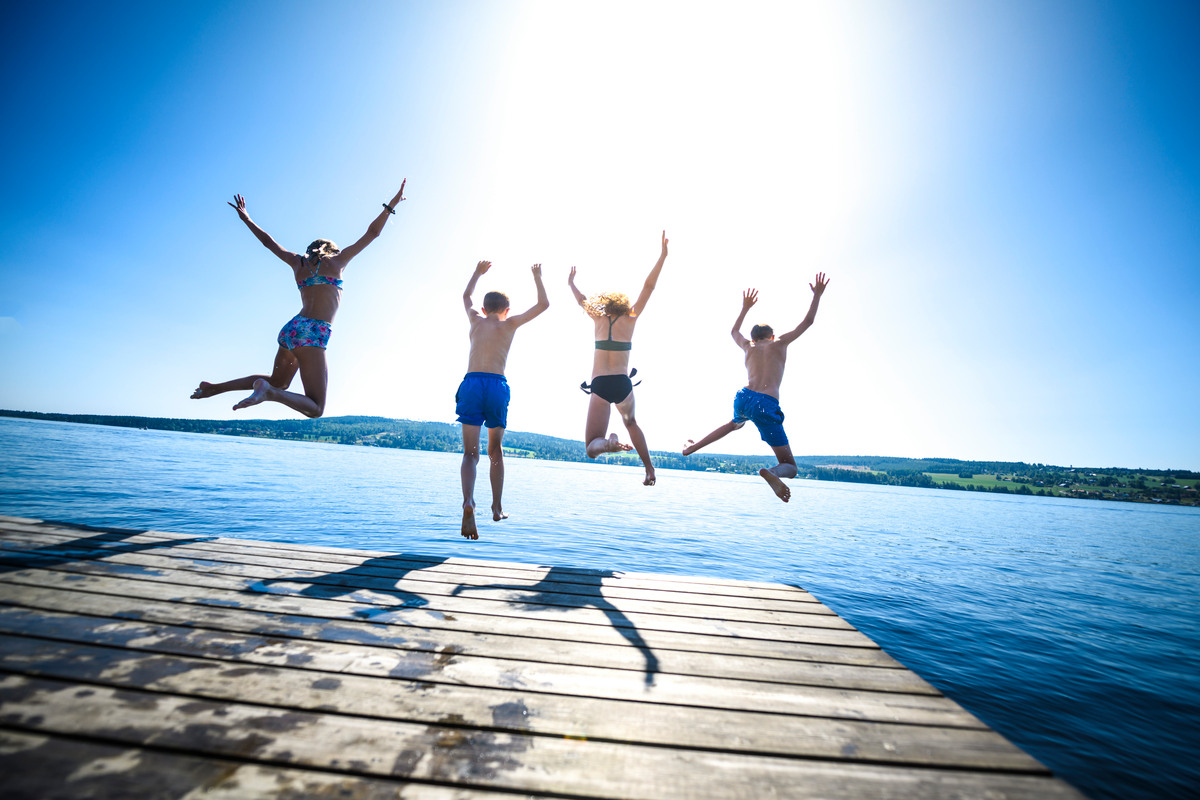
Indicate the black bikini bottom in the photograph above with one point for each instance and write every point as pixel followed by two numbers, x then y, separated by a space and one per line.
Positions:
pixel 613 388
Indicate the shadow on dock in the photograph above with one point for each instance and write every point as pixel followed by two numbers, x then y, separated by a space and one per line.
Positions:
pixel 107 542
pixel 546 594
pixel 372 575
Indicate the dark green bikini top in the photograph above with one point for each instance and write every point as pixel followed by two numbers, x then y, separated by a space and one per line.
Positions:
pixel 609 344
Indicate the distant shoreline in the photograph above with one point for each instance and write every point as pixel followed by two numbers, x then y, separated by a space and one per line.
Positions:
pixel 1173 487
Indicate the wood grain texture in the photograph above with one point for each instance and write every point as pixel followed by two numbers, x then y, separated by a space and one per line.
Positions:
pixel 164 665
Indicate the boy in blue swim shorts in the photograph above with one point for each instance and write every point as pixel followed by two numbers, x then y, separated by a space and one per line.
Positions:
pixel 483 395
pixel 758 401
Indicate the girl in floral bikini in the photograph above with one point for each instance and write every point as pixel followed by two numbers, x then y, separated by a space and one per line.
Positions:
pixel 302 341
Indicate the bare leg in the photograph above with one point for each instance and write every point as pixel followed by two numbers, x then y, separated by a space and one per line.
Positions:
pixel 625 407
pixel 313 374
pixel 596 432
pixel 470 434
pixel 786 468
pixel 724 430
pixel 496 456
pixel 280 377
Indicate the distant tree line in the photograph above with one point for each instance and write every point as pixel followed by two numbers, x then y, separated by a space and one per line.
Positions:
pixel 1020 477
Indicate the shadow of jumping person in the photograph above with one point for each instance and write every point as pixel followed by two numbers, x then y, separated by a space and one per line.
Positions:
pixel 562 588
pixel 375 575
pixel 105 543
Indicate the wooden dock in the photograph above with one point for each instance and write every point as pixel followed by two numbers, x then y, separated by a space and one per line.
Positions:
pixel 140 664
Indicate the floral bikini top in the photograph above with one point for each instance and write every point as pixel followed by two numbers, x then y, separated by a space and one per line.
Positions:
pixel 318 280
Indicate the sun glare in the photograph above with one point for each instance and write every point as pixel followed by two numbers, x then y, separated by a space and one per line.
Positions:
pixel 612 113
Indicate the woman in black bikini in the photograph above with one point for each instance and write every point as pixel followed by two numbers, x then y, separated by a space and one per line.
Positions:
pixel 611 378
pixel 302 341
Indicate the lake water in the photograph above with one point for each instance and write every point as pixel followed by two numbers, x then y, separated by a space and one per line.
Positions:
pixel 1070 626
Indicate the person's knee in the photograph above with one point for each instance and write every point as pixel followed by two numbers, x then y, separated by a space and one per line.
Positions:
pixel 319 411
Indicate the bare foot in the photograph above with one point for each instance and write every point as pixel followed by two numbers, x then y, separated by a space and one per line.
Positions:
pixel 777 485
pixel 203 390
pixel 261 391
pixel 649 478
pixel 690 448
pixel 469 531
pixel 498 515
pixel 597 447
pixel 611 445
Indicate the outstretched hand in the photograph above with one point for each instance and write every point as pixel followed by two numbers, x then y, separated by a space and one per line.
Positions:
pixel 818 288
pixel 664 252
pixel 397 200
pixel 571 277
pixel 749 298
pixel 536 269
pixel 240 208
pixel 482 267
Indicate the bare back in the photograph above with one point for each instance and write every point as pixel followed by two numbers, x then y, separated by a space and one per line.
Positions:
pixel 491 338
pixel 764 366
pixel 321 300
pixel 613 362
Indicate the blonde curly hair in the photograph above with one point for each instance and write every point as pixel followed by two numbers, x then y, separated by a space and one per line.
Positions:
pixel 609 304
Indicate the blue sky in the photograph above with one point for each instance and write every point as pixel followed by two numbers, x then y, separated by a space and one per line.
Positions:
pixel 1003 194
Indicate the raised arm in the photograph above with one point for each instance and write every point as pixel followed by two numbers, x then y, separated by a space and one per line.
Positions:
pixel 749 298
pixel 480 268
pixel 651 281
pixel 818 289
pixel 375 228
pixel 580 297
pixel 287 256
pixel 543 302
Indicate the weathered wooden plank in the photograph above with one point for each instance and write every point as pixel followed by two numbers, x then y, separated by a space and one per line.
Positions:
pixel 419 698
pixel 448 667
pixel 343 620
pixel 452 754
pixel 557 651
pixel 112 537
pixel 548 593
pixel 632 585
pixel 40 767
pixel 597 611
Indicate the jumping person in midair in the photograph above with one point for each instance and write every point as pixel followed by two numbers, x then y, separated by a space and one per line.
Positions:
pixel 318 276
pixel 758 402
pixel 611 385
pixel 483 395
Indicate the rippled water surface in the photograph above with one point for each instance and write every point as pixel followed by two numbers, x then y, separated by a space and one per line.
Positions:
pixel 1070 626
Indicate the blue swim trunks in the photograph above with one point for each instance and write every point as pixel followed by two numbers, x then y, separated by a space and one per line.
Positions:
pixel 305 332
pixel 482 397
pixel 763 410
